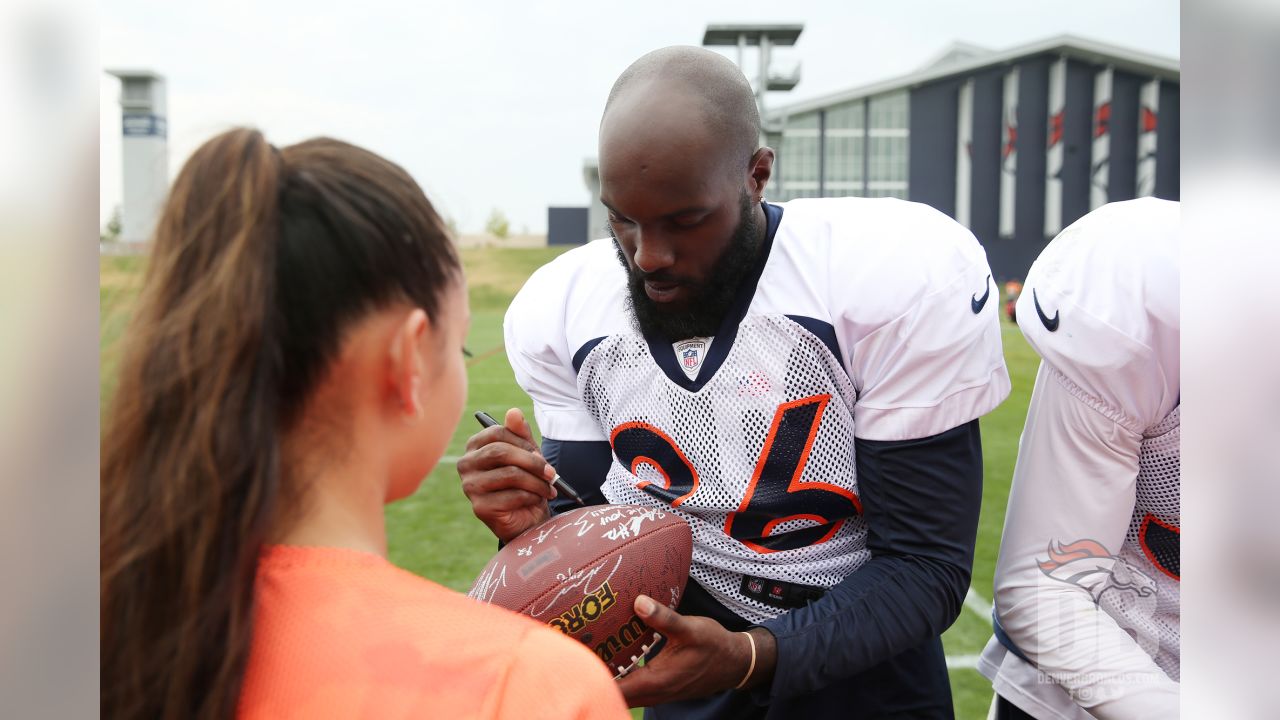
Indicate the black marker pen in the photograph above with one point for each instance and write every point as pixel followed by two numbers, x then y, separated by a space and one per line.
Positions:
pixel 486 420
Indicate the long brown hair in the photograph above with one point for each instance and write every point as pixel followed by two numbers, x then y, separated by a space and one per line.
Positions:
pixel 261 258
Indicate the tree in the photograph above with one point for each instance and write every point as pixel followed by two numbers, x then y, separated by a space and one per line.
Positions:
pixel 111 231
pixel 497 224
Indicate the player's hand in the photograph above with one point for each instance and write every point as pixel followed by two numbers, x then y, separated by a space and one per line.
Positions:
pixel 505 477
pixel 700 658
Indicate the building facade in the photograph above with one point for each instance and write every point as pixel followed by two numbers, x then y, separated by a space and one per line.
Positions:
pixel 1015 144
pixel 145 147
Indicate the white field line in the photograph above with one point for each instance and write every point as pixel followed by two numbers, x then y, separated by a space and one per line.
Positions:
pixel 980 607
pixel 978 604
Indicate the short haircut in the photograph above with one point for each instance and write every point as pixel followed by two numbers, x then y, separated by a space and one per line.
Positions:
pixel 728 103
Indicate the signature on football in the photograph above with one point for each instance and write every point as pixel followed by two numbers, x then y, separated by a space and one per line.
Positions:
pixel 584 522
pixel 490 580
pixel 628 528
pixel 580 580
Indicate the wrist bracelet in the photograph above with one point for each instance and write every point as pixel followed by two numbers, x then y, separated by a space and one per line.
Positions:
pixel 752 667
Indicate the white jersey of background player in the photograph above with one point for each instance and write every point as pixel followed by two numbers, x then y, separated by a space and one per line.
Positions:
pixel 1088 577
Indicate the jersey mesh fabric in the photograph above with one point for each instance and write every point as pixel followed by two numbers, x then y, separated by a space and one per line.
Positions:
pixel 722 430
pixel 345 634
pixel 1153 616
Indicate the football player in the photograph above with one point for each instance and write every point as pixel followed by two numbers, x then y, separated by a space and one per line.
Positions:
pixel 1086 588
pixel 800 382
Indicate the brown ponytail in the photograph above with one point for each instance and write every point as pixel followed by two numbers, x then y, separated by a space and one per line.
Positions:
pixel 190 450
pixel 259 261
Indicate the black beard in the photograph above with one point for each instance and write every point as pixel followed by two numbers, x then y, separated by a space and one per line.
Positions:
pixel 709 302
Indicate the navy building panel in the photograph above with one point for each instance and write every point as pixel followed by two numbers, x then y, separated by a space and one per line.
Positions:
pixel 931 164
pixel 567 226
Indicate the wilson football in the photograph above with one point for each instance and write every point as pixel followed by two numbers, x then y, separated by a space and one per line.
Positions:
pixel 580 572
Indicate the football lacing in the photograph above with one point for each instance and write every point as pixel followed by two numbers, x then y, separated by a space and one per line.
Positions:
pixel 635 659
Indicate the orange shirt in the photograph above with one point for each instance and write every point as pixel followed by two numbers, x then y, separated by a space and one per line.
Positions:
pixel 345 634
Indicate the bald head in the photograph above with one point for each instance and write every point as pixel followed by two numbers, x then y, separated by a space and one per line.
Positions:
pixel 707 88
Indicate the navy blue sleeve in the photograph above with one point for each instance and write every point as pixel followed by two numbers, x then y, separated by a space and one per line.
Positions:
pixel 582 464
pixel 921 499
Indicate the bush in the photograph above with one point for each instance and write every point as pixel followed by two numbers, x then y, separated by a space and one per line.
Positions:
pixel 497 224
pixel 111 232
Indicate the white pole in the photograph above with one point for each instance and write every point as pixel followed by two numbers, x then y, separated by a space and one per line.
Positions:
pixel 1009 153
pixel 964 142
pixel 1100 152
pixel 1148 112
pixel 1055 154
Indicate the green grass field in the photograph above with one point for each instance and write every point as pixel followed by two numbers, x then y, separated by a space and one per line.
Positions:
pixel 434 534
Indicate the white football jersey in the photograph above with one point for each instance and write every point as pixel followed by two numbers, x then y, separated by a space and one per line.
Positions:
pixel 864 318
pixel 1094 515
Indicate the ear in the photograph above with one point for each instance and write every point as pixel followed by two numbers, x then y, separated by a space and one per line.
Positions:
pixel 408 363
pixel 759 172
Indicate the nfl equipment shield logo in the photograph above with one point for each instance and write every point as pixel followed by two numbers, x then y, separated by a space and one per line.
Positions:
pixel 691 353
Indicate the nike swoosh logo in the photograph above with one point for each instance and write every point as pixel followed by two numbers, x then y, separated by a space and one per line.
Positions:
pixel 977 304
pixel 1049 324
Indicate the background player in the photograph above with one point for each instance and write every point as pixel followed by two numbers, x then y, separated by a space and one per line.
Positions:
pixel 1087 585
pixel 294 363
pixel 801 383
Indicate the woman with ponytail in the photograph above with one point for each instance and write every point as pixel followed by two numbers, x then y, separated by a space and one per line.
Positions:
pixel 294 363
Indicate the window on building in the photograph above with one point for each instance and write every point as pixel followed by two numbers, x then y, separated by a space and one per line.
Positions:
pixel 798 157
pixel 888 139
pixel 843 149
pixel 134 91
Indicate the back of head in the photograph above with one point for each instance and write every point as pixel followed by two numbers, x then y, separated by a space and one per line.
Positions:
pixel 260 261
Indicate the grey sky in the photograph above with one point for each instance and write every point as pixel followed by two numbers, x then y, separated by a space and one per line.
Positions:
pixel 495 104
